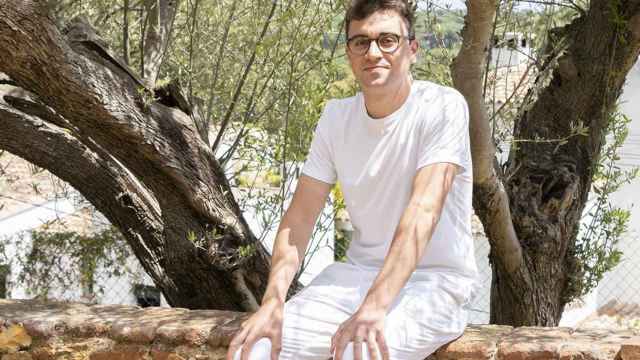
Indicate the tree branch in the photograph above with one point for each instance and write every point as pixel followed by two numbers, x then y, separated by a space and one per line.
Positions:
pixel 219 58
pixel 81 85
pixel 160 16
pixel 491 202
pixel 119 196
pixel 158 143
pixel 125 32
pixel 247 69
pixel 569 4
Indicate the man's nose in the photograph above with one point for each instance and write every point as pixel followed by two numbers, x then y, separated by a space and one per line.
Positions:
pixel 374 50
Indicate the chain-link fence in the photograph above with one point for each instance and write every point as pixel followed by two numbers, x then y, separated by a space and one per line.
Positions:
pixel 617 298
pixel 478 307
pixel 43 231
pixel 622 284
pixel 125 282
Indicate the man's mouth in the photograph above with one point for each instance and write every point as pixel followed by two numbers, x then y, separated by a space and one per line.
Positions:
pixel 375 67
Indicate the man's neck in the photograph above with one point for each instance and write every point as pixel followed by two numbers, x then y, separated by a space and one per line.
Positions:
pixel 385 102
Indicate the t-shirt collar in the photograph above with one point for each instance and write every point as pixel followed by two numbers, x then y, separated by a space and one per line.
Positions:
pixel 381 126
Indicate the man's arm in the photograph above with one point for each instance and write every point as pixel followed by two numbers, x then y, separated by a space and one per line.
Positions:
pixel 288 250
pixel 431 185
pixel 293 235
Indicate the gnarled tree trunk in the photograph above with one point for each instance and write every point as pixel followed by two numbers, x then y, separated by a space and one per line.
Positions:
pixel 134 152
pixel 532 212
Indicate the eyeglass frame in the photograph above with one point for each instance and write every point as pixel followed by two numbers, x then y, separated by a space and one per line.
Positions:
pixel 408 37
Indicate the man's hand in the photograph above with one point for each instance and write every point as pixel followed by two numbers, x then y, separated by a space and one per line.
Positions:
pixel 365 325
pixel 266 322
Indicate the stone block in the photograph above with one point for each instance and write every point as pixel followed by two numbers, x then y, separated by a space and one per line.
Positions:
pixel 14 338
pixel 123 352
pixel 630 349
pixel 222 335
pixel 81 320
pixel 593 344
pixel 193 328
pixel 165 355
pixel 23 355
pixel 532 343
pixel 477 343
pixel 141 326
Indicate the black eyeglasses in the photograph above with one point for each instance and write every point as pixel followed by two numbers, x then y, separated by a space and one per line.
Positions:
pixel 387 43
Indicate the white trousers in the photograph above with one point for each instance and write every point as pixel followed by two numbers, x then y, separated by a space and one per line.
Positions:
pixel 427 313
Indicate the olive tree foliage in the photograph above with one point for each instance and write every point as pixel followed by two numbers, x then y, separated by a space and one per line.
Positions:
pixel 149 107
pixel 56 262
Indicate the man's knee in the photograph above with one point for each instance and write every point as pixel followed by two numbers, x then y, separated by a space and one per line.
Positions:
pixel 261 350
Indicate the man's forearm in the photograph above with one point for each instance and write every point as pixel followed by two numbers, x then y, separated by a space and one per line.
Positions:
pixel 409 241
pixel 288 251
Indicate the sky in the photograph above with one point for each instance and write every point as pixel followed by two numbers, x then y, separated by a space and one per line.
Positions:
pixel 455 4
pixel 459 4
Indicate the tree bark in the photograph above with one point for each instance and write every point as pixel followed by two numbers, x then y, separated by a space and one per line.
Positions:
pixel 139 159
pixel 547 183
pixel 490 199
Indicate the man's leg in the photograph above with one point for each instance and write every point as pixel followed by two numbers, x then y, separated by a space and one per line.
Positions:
pixel 262 350
pixel 349 352
pixel 429 314
pixel 313 315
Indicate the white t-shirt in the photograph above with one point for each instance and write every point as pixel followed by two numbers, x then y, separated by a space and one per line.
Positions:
pixel 375 161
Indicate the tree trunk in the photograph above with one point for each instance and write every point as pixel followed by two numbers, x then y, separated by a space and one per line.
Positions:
pixel 535 268
pixel 133 152
pixel 549 183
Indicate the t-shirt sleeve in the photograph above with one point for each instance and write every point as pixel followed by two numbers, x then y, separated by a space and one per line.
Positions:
pixel 320 160
pixel 445 138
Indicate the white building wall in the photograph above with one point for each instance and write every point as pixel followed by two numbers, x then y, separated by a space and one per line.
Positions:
pixel 506 55
pixel 17 226
pixel 623 282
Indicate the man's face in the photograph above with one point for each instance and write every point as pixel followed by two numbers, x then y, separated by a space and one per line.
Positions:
pixel 377 70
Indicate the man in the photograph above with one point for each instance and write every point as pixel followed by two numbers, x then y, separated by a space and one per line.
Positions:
pixel 400 149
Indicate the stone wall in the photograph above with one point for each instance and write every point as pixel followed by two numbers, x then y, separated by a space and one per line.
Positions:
pixel 56 330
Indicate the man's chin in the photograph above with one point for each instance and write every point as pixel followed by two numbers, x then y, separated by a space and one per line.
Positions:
pixel 374 83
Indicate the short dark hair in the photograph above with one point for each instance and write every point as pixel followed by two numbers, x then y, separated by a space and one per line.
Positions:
pixel 361 9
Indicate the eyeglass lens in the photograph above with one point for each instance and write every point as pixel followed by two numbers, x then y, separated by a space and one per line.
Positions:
pixel 386 42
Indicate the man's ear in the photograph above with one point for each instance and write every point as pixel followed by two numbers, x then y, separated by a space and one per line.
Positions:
pixel 414 45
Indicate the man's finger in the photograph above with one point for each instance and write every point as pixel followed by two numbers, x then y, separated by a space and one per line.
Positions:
pixel 339 350
pixel 235 343
pixel 334 339
pixel 357 349
pixel 382 345
pixel 331 344
pixel 371 345
pixel 357 342
pixel 247 347
pixel 276 347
